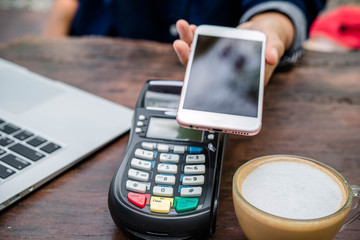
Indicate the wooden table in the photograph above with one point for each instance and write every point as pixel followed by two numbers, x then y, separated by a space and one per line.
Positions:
pixel 311 110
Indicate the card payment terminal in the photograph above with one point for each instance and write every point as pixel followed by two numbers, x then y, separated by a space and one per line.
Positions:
pixel 168 182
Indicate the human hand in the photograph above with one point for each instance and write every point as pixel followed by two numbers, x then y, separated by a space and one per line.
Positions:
pixel 279 32
pixel 276 26
pixel 182 45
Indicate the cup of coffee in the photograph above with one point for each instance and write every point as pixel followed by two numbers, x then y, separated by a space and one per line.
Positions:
pixel 291 197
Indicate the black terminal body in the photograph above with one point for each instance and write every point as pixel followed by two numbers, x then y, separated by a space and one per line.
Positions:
pixel 167 184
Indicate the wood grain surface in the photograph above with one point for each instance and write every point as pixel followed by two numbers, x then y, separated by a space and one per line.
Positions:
pixel 311 109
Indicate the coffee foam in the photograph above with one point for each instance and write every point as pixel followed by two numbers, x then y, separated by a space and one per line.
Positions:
pixel 293 188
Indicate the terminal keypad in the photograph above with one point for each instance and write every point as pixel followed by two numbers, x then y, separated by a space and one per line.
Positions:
pixel 167 178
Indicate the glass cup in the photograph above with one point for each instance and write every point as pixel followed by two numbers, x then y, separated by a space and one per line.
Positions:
pixel 258 224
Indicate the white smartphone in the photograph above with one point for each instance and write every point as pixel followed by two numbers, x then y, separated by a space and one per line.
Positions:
pixel 224 81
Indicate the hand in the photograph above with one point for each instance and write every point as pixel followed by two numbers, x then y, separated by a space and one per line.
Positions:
pixel 279 32
pixel 277 27
pixel 182 45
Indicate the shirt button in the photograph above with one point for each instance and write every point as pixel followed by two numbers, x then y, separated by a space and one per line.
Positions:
pixel 173 31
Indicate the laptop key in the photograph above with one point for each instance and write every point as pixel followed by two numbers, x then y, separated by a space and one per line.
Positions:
pixel 5 141
pixel 50 147
pixel 15 162
pixel 36 141
pixel 5 172
pixel 23 135
pixel 9 128
pixel 26 152
pixel 2 151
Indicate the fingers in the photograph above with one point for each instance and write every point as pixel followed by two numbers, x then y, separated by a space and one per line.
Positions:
pixel 186 31
pixel 182 46
pixel 271 61
pixel 269 69
pixel 274 48
pixel 182 50
pixel 192 28
pixel 271 54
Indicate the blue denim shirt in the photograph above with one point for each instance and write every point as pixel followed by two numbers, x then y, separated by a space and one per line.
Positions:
pixel 155 19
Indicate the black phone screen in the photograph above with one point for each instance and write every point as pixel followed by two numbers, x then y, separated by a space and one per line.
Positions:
pixel 225 76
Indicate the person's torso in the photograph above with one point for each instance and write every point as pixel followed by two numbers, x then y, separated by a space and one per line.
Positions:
pixel 153 20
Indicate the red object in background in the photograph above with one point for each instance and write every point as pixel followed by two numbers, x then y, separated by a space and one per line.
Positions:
pixel 341 25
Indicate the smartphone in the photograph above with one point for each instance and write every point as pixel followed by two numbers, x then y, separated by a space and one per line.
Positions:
pixel 167 184
pixel 224 81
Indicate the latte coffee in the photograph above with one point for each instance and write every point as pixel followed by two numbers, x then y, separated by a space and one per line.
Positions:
pixel 293 188
pixel 290 197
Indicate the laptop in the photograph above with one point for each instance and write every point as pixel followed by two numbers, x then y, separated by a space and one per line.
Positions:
pixel 46 127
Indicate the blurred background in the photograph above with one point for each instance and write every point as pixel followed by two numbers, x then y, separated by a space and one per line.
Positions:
pixel 19 18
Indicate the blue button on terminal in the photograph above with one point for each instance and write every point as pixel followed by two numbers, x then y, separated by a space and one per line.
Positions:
pixel 195 150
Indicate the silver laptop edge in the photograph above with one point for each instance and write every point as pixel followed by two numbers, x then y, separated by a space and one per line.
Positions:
pixel 83 123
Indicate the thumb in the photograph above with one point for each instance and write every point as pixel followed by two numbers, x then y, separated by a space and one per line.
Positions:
pixel 271 55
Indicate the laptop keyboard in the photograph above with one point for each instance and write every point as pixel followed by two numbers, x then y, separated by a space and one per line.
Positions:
pixel 20 148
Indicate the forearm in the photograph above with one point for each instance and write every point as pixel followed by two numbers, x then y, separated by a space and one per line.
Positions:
pixel 61 16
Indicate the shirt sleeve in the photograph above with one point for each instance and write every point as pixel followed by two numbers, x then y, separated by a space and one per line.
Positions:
pixel 296 14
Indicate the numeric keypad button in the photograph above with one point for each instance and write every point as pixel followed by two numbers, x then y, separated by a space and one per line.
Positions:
pixel 138 175
pixel 193 180
pixel 144 154
pixel 163 191
pixel 190 192
pixel 165 179
pixel 195 158
pixel 167 168
pixel 135 186
pixel 169 158
pixel 141 164
pixel 194 169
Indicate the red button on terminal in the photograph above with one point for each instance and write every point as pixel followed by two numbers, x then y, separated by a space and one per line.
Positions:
pixel 137 199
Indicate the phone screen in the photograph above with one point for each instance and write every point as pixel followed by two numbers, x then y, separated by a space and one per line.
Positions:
pixel 225 76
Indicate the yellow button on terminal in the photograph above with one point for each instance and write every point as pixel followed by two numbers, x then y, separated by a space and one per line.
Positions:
pixel 161 204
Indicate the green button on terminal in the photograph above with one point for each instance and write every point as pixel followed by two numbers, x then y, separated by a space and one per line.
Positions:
pixel 185 204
